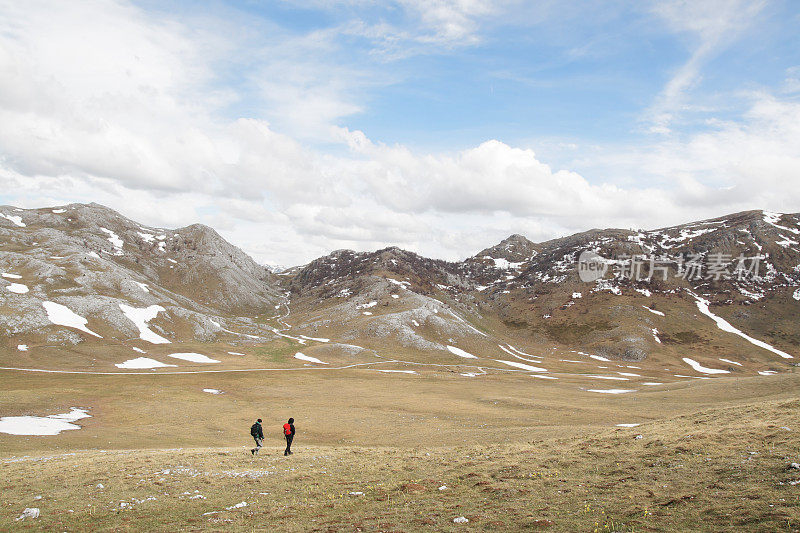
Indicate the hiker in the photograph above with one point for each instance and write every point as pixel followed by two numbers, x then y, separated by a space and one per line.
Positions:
pixel 258 436
pixel 288 432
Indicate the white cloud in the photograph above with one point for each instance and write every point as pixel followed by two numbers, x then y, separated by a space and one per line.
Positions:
pixel 102 102
pixel 712 24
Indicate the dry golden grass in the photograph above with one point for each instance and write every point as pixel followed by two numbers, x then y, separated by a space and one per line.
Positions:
pixel 515 452
pixel 722 469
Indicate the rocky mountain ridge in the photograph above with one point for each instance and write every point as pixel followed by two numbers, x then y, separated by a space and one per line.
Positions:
pixel 124 279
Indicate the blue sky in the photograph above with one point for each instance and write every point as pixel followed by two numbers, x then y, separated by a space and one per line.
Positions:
pixel 298 127
pixel 589 71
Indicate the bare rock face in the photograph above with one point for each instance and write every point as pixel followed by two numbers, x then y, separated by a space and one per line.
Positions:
pixel 93 259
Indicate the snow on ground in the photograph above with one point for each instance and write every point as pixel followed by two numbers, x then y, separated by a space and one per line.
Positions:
pixel 655 336
pixel 606 285
pixel 140 317
pixel 729 361
pixel 542 377
pixel 141 362
pixel 22 347
pixel 611 391
pixel 576 295
pixel 796 294
pixel 403 284
pixel 135 349
pixel 11 276
pixel 218 325
pixel 42 425
pixel 62 315
pixel 304 357
pixel 367 306
pixel 627 425
pixel 523 366
pixel 751 295
pixel 147 237
pixel 16 220
pixel 659 313
pixel 705 370
pixel 520 352
pixel 651 383
pixel 235 353
pixel 318 339
pixel 113 238
pixel 614 378
pixel 212 391
pixel 416 324
pixel 766 372
pixel 629 374
pixel 470 326
pixel 143 286
pixel 193 357
pixel 17 288
pixel 459 352
pixel 398 371
pixel 503 264
pixel 724 325
pixel 773 219
pixel 599 358
pixel 366 313
pixel 59 211
pixel 514 355
pixel 395 296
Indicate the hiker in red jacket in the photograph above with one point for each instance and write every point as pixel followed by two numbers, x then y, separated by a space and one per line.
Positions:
pixel 288 432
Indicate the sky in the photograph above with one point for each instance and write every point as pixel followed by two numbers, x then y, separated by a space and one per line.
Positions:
pixel 299 127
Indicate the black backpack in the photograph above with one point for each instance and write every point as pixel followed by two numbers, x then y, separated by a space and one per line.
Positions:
pixel 254 430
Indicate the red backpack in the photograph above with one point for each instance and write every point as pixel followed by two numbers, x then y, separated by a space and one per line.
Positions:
pixel 287 429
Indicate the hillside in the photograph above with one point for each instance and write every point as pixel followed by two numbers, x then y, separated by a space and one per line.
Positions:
pixel 115 276
pixel 86 277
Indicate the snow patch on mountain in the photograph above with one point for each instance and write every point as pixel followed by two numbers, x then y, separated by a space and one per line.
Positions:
pixel 140 318
pixel 724 325
pixel 17 288
pixel 523 366
pixel 193 357
pixel 14 219
pixel 141 363
pixel 705 370
pixel 62 315
pixel 304 357
pixel 459 352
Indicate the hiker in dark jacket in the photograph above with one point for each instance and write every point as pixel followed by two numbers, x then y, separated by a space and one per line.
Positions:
pixel 288 432
pixel 258 436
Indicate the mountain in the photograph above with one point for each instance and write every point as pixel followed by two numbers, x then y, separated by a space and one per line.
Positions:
pixel 77 271
pixel 93 260
pixel 533 292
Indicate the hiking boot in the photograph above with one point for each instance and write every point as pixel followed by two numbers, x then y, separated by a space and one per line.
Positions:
pixel 252 452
